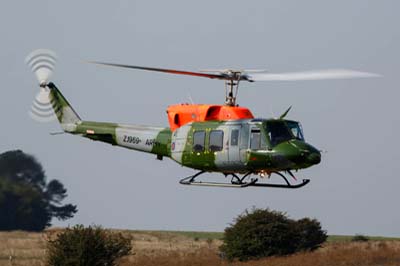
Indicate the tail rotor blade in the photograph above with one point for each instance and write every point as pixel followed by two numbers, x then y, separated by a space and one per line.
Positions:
pixel 42 63
pixel 41 108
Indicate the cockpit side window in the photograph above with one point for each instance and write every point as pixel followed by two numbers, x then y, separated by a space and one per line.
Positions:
pixel 278 132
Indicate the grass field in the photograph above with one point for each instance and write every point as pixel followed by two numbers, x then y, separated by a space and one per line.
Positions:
pixel 152 248
pixel 218 235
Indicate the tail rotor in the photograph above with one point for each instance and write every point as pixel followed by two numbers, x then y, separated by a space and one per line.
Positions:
pixel 42 63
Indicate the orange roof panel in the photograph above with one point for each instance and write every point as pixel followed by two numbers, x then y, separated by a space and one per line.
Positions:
pixel 181 114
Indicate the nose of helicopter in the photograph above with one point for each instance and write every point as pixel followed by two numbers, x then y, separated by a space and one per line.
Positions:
pixel 314 157
pixel 296 154
pixel 311 155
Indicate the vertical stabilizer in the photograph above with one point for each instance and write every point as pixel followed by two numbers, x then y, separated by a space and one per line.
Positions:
pixel 66 115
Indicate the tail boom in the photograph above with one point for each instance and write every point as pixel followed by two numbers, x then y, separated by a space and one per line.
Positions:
pixel 156 140
pixel 149 139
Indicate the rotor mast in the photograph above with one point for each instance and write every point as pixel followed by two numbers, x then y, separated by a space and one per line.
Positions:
pixel 232 86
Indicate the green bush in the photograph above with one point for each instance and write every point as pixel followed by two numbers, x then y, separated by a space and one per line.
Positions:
pixel 310 234
pixel 360 238
pixel 261 232
pixel 90 246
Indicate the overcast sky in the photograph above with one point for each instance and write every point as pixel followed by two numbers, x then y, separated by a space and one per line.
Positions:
pixel 353 190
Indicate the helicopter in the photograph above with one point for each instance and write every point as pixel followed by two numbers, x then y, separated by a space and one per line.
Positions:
pixel 225 138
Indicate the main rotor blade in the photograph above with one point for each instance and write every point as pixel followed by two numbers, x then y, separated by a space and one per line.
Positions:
pixel 170 71
pixel 311 75
pixel 227 70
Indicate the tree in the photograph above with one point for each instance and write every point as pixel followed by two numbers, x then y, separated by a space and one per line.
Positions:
pixel 262 232
pixel 27 201
pixel 94 246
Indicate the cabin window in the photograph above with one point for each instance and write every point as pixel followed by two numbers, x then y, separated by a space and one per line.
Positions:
pixel 244 136
pixel 234 137
pixel 198 141
pixel 216 140
pixel 255 139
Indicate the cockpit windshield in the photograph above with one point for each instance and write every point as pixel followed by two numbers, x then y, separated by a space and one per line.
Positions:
pixel 296 129
pixel 280 131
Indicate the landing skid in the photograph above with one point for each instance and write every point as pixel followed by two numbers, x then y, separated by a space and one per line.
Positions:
pixel 239 182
